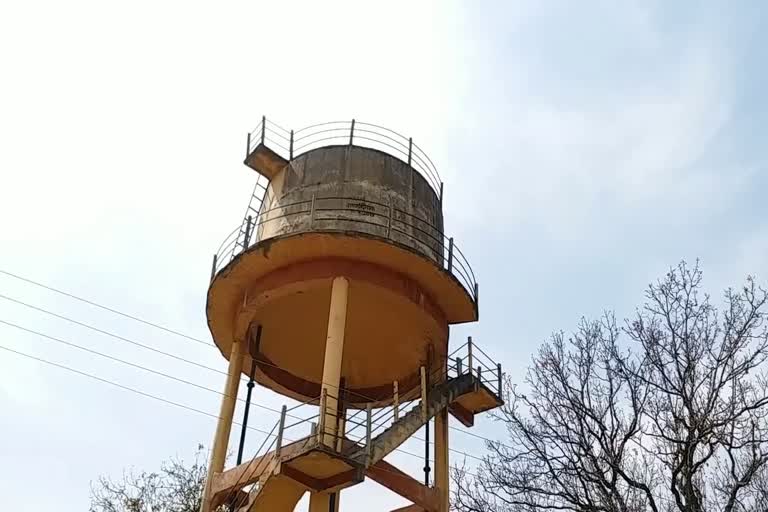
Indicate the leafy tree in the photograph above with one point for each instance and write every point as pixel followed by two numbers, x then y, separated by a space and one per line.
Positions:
pixel 663 412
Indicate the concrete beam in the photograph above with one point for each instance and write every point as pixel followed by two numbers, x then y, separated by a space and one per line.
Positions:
pixel 463 415
pixel 384 473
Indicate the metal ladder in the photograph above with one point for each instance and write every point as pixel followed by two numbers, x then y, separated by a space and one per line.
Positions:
pixel 251 217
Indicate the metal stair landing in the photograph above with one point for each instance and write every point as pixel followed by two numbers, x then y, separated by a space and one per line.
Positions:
pixel 315 467
pixel 265 161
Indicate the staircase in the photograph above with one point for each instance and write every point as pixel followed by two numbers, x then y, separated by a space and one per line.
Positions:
pixel 396 434
pixel 284 473
pixel 276 494
pixel 273 488
pixel 259 485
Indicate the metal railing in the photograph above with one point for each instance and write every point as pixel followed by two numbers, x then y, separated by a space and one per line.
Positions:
pixel 291 143
pixel 363 426
pixel 261 464
pixel 354 433
pixel 345 214
pixel 470 358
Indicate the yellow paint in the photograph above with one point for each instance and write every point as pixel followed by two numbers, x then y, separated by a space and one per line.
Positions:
pixel 339 445
pixel 478 401
pixel 280 494
pixel 319 502
pixel 394 303
pixel 403 302
pixel 224 425
pixel 441 453
pixel 334 351
pixel 441 460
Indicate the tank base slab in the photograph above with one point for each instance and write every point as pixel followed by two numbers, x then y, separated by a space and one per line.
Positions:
pixel 400 305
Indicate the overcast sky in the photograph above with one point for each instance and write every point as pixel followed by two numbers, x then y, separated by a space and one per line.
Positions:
pixel 584 151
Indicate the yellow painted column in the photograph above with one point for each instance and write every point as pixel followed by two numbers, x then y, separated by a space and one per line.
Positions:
pixel 319 502
pixel 224 425
pixel 441 460
pixel 334 349
pixel 342 426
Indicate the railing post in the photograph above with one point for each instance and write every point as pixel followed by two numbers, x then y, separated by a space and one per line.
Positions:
pixel 480 373
pixel 248 146
pixel 352 132
pixel 459 369
pixel 280 430
pixel 423 371
pixel 441 195
pixel 498 376
pixel 391 215
pixel 469 353
pixel 450 254
pixel 410 150
pixel 321 419
pixel 396 400
pixel 213 267
pixel 312 212
pixel 368 448
pixel 477 295
pixel 263 127
pixel 290 150
pixel 247 239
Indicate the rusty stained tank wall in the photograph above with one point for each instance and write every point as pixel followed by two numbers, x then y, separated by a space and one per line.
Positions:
pixel 353 189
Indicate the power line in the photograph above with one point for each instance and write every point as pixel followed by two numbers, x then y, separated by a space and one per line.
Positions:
pixel 149 395
pixel 110 334
pixel 122 386
pixel 106 308
pixel 178 333
pixel 169 376
pixel 148 347
pixel 134 342
pixel 135 365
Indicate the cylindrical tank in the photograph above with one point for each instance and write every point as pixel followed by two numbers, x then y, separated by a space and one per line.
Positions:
pixel 354 188
pixel 361 213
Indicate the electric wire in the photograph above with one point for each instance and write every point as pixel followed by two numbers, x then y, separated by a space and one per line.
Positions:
pixel 180 380
pixel 150 395
pixel 177 333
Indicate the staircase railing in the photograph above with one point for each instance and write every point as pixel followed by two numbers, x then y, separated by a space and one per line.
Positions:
pixel 293 426
pixel 470 358
pixel 362 428
pixel 367 428
pixel 367 425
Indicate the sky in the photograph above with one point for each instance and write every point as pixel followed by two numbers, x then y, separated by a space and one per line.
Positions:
pixel 585 149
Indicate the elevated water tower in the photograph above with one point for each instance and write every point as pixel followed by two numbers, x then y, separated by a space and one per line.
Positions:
pixel 337 290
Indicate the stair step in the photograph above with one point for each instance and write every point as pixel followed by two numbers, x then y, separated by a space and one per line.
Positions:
pixel 394 435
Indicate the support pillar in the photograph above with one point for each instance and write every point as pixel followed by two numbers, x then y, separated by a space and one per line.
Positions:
pixel 334 349
pixel 441 460
pixel 224 425
pixel 319 502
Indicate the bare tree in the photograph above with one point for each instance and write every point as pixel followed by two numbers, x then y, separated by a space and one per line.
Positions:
pixel 666 413
pixel 177 487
